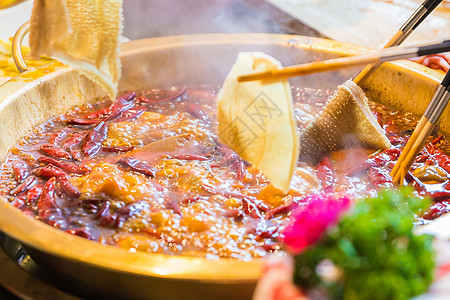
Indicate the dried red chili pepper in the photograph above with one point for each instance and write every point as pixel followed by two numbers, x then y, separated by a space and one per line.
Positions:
pixel 165 238
pixel 421 158
pixel 24 186
pixel 251 209
pixel 174 206
pixel 398 140
pixel 123 213
pixel 55 151
pixel 271 247
pixel 439 196
pixel 99 114
pixel 58 136
pixel 138 166
pixel 69 188
pixel 385 156
pixel 284 208
pixel 117 149
pixel 83 121
pixel 432 149
pixel 190 200
pixel 90 202
pixel 49 172
pixel 435 61
pixel 325 174
pixel 419 185
pixel 391 128
pixel 20 170
pixel 66 166
pixel 92 142
pixel 190 157
pixel 437 139
pixel 131 114
pixel 438 156
pixel 260 204
pixel 228 156
pixel 47 200
pixel 127 97
pixel 121 104
pixel 116 110
pixel 19 201
pixel 241 172
pixel 197 111
pixel 379 118
pixel 443 160
pixel 380 178
pixel 76 154
pixel 268 233
pixel 212 190
pixel 109 221
pixel 82 232
pixel 436 209
pixel 34 193
pixel 233 213
pixel 103 210
pixel 54 217
pixel 73 140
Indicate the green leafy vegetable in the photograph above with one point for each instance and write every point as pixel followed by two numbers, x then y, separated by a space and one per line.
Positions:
pixel 371 253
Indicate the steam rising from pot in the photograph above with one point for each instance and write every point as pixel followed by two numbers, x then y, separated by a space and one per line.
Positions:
pixel 152 18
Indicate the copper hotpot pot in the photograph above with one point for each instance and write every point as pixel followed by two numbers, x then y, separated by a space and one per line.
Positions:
pixel 101 271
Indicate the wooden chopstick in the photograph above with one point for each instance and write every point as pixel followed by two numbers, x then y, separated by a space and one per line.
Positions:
pixel 423 130
pixel 423 120
pixel 338 63
pixel 423 11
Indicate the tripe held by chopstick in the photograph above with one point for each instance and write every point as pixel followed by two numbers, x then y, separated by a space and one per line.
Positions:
pixel 338 63
pixel 83 34
pixel 423 130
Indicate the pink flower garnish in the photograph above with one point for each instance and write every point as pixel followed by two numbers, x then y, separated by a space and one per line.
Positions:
pixel 309 221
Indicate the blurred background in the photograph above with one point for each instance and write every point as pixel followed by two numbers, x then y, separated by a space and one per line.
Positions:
pixel 365 22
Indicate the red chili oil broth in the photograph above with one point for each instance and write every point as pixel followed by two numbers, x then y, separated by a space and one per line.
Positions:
pixel 147 173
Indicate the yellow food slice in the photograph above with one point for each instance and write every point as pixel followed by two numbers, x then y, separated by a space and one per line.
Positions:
pixel 346 121
pixel 256 119
pixel 83 34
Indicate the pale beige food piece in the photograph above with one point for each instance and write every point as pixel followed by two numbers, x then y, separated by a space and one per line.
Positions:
pixel 256 119
pixel 346 121
pixel 83 34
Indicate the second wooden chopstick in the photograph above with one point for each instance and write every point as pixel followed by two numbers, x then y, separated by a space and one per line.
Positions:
pixel 423 129
pixel 338 63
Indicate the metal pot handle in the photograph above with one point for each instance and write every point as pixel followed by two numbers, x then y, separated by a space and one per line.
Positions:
pixel 17 47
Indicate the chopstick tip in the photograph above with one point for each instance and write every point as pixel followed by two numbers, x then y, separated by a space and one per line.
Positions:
pixel 242 78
